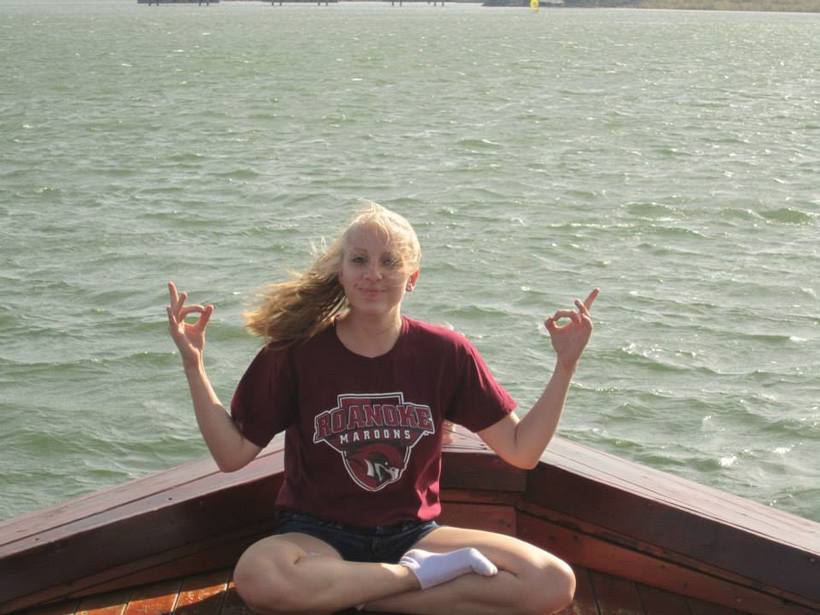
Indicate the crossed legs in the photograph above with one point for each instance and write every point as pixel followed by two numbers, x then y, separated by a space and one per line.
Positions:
pixel 297 573
pixel 529 581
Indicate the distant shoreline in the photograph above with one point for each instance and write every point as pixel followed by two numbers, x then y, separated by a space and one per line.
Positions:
pixel 784 6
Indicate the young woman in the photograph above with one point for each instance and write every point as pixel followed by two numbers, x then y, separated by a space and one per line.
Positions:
pixel 362 392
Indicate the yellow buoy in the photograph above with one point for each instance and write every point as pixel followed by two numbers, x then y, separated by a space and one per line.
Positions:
pixel 534 4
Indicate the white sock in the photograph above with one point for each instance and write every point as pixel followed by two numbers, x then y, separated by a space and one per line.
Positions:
pixel 433 569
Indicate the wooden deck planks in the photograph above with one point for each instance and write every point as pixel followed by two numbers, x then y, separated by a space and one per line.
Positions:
pixel 113 603
pixel 157 599
pixel 233 604
pixel 615 595
pixel 658 602
pixel 203 594
pixel 584 603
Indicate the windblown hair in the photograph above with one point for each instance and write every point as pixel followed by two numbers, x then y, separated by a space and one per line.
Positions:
pixel 299 308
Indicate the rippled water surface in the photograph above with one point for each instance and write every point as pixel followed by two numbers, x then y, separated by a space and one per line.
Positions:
pixel 671 158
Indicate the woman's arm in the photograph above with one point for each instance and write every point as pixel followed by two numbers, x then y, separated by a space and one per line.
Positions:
pixel 229 448
pixel 521 442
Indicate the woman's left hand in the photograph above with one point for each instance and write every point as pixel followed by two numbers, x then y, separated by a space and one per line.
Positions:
pixel 569 340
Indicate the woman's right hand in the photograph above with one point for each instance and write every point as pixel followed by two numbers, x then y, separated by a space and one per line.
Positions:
pixel 189 337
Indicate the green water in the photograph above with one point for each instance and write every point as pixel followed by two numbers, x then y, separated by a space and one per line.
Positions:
pixel 670 158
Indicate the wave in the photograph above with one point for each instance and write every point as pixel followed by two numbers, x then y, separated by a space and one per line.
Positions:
pixel 651 209
pixel 768 338
pixel 479 144
pixel 631 354
pixel 788 215
pixel 739 213
pixel 667 232
pixel 186 157
pixel 243 173
pixel 92 365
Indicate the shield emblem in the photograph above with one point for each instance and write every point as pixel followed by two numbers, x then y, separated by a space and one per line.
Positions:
pixel 375 435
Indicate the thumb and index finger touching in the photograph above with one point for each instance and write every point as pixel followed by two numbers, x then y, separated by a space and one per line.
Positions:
pixel 583 310
pixel 177 311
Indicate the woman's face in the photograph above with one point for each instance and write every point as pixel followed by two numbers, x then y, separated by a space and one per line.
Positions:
pixel 373 273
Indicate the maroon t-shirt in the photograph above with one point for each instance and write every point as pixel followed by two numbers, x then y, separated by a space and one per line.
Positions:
pixel 363 441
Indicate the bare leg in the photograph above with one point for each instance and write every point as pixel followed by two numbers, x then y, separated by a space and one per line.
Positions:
pixel 529 580
pixel 297 573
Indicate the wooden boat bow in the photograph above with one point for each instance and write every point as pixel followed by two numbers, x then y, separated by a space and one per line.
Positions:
pixel 612 517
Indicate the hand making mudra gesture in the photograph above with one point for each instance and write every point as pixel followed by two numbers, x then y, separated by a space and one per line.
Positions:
pixel 189 337
pixel 358 503
pixel 569 340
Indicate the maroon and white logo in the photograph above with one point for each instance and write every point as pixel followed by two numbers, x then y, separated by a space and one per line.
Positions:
pixel 375 434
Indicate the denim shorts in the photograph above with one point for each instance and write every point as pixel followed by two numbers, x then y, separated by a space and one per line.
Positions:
pixel 382 543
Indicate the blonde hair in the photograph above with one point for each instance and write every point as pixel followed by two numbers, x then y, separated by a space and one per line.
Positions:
pixel 301 307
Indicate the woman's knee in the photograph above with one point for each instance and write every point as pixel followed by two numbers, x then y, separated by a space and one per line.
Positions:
pixel 549 586
pixel 262 581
